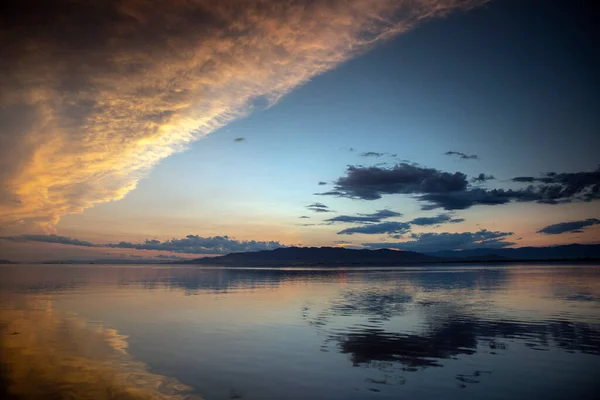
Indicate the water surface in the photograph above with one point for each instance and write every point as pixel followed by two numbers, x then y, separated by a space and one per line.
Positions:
pixel 496 332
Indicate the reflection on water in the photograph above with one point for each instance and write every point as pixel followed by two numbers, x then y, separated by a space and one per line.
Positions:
pixel 48 356
pixel 494 332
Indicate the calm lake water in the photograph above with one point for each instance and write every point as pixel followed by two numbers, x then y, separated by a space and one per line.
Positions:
pixel 129 332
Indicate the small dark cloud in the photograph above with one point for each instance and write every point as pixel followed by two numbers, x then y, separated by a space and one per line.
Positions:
pixel 524 179
pixel 373 217
pixel 383 214
pixel 318 207
pixel 370 183
pixel 305 217
pixel 371 154
pixel 49 239
pixel 430 241
pixel 481 178
pixel 321 183
pixel 462 155
pixel 373 229
pixel 571 227
pixel 239 139
pixel 437 220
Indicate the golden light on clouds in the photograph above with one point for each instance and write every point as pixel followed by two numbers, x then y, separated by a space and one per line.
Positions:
pixel 94 94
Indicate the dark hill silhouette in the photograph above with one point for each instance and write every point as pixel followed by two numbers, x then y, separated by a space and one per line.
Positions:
pixel 564 252
pixel 337 256
pixel 312 256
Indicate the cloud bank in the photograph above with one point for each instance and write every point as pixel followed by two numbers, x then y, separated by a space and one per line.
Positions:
pixel 94 94
pixel 452 191
pixel 192 244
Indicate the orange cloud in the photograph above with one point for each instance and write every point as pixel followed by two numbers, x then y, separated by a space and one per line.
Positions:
pixel 94 94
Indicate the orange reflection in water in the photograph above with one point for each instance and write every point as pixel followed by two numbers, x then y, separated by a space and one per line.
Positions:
pixel 46 355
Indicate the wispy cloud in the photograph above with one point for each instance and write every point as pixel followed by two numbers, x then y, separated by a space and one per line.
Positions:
pixel 463 156
pixel 430 241
pixel 373 229
pixel 319 207
pixel 239 139
pixel 372 154
pixel 571 226
pixel 94 94
pixel 377 216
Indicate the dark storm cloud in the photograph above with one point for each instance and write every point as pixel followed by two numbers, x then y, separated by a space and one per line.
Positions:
pixel 571 227
pixel 462 155
pixel 373 217
pixel 239 139
pixel 385 227
pixel 370 183
pixel 49 239
pixel 318 207
pixel 482 178
pixel 437 220
pixel 430 242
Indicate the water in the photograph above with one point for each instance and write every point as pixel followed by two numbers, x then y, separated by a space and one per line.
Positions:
pixel 494 332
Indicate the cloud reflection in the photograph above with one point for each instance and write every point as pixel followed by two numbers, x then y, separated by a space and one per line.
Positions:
pixel 44 355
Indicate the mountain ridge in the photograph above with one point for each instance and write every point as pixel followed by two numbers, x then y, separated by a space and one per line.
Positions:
pixel 338 256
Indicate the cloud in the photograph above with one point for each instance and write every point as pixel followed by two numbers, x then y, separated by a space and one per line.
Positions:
pixel 430 242
pixel 462 155
pixel 571 227
pixel 321 183
pixel 451 191
pixel 49 239
pixel 385 227
pixel 94 94
pixel 370 183
pixel 239 139
pixel 555 188
pixel 482 178
pixel 373 217
pixel 371 154
pixel 192 244
pixel 304 217
pixel 437 220
pixel 318 207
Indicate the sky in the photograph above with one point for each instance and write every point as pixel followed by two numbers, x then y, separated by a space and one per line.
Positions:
pixel 134 129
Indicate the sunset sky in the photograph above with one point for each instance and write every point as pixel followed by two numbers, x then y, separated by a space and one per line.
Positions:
pixel 165 129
